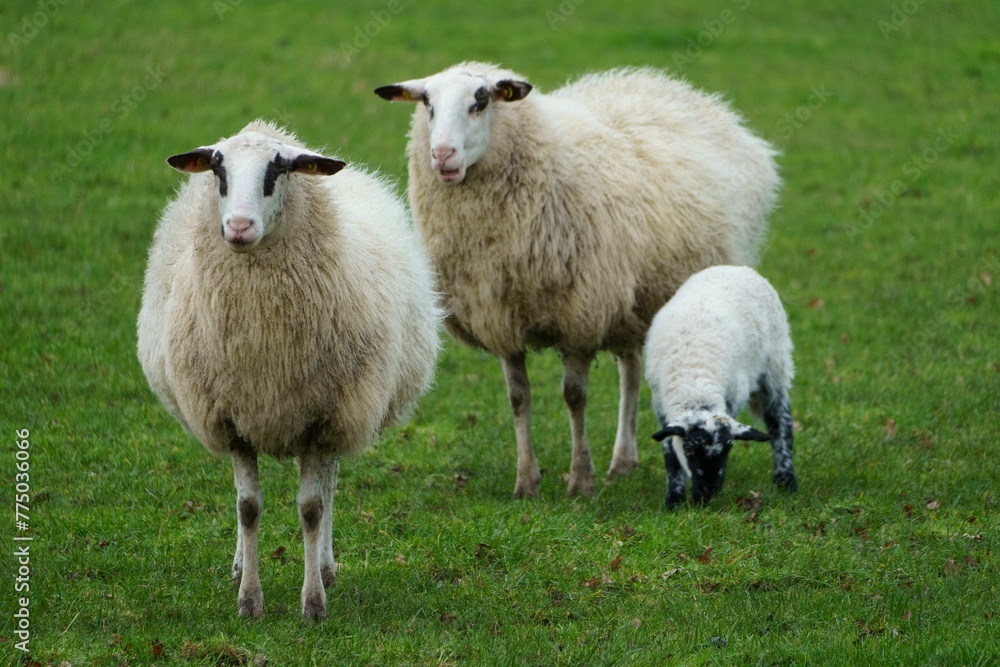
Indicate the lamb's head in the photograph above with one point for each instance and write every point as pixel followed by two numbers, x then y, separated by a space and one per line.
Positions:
pixel 458 106
pixel 251 173
pixel 702 442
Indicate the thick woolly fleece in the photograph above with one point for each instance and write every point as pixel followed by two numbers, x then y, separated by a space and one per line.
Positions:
pixel 320 336
pixel 592 205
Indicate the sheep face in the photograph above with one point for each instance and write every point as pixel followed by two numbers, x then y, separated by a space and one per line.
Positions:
pixel 701 445
pixel 458 106
pixel 251 173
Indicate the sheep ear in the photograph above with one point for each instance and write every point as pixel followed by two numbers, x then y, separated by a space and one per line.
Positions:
pixel 316 165
pixel 407 91
pixel 194 162
pixel 668 431
pixel 743 432
pixel 508 90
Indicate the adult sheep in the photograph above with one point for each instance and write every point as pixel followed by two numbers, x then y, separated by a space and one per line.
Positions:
pixel 567 219
pixel 301 330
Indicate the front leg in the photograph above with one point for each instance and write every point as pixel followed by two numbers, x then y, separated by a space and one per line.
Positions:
pixel 625 457
pixel 676 477
pixel 317 470
pixel 581 468
pixel 519 393
pixel 778 419
pixel 249 504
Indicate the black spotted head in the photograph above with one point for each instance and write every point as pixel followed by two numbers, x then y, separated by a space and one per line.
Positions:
pixel 702 444
pixel 251 172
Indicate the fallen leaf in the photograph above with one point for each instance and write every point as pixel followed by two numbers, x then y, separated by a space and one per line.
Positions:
pixel 890 427
pixel 977 537
pixel 193 506
pixel 616 563
pixel 103 544
pixel 706 557
pixel 115 639
pixel 971 561
pixel 908 510
pixel 816 302
pixel 593 582
pixel 951 567
pixel 460 481
pixel 933 504
pixel 278 554
pixel 711 587
pixel 525 518
pixel 986 278
pixel 636 622
pixel 628 531
pixel 157 648
pixel 605 579
pixel 669 573
pixel 367 516
pixel 844 338
pixel 907 615
pixel 401 559
pixel 482 549
pixel 447 617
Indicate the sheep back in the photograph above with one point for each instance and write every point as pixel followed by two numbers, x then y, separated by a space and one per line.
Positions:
pixel 722 335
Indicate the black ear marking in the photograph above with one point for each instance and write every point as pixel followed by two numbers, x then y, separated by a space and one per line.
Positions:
pixel 668 431
pixel 509 90
pixel 316 164
pixel 752 434
pixel 192 162
pixel 396 93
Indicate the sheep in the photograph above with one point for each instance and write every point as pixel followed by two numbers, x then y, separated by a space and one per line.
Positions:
pixel 302 330
pixel 721 341
pixel 565 220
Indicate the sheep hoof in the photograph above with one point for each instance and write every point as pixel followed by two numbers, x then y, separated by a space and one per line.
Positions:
pixel 527 486
pixel 329 575
pixel 621 468
pixel 251 606
pixel 582 485
pixel 314 608
pixel 786 481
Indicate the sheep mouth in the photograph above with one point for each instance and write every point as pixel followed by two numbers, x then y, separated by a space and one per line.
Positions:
pixel 241 245
pixel 451 175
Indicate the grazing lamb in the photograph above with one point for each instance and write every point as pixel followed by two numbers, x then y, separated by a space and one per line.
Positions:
pixel 566 220
pixel 303 329
pixel 721 341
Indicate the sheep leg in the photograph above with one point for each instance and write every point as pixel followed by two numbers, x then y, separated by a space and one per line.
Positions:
pixel 519 394
pixel 249 503
pixel 676 477
pixel 327 565
pixel 625 457
pixel 581 469
pixel 778 419
pixel 317 470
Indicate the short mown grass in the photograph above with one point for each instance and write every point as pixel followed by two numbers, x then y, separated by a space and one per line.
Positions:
pixel 884 249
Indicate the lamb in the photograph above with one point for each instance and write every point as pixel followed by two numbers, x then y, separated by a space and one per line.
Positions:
pixel 565 220
pixel 302 330
pixel 721 341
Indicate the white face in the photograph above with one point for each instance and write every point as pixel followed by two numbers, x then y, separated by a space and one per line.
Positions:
pixel 459 104
pixel 251 176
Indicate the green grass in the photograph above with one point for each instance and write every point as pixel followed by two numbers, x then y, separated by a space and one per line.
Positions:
pixel 884 248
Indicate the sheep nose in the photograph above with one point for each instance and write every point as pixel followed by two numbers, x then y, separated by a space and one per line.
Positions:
pixel 442 154
pixel 237 225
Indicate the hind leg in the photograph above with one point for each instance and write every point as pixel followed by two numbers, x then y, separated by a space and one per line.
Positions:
pixel 777 416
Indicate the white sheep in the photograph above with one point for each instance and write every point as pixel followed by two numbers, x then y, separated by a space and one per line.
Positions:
pixel 301 330
pixel 567 219
pixel 721 341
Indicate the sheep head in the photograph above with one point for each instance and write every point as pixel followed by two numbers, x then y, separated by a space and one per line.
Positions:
pixel 458 104
pixel 702 444
pixel 251 172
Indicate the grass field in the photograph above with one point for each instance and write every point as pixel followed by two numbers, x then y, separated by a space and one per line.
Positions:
pixel 884 249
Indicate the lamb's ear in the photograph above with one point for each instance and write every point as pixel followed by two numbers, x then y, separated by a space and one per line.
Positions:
pixel 407 91
pixel 509 90
pixel 316 165
pixel 744 432
pixel 192 162
pixel 668 431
